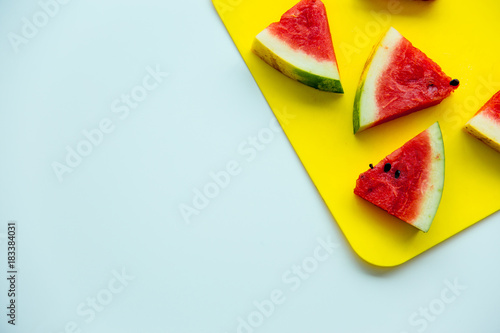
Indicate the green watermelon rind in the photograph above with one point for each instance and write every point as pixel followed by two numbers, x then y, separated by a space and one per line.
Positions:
pixel 432 199
pixel 429 189
pixel 283 62
pixel 355 114
pixel 364 100
pixel 319 82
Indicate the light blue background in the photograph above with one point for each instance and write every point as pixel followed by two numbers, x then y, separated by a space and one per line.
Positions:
pixel 117 213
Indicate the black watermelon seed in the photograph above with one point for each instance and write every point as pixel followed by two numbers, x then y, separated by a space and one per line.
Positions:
pixel 387 167
pixel 397 174
pixel 454 82
pixel 371 166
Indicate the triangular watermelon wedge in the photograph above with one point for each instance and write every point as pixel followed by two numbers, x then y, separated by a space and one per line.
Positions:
pixel 300 46
pixel 409 182
pixel 398 79
pixel 485 125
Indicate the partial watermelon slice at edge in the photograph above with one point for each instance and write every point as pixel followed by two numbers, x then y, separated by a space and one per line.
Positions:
pixel 411 190
pixel 397 79
pixel 300 46
pixel 485 125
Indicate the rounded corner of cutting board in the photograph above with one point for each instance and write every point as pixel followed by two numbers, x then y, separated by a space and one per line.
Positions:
pixel 241 25
pixel 376 259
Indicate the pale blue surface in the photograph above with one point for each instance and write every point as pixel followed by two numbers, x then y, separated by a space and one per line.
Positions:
pixel 112 229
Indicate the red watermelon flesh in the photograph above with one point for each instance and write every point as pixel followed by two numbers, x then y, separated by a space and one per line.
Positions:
pixel 412 82
pixel 398 79
pixel 492 108
pixel 305 27
pixel 300 46
pixel 408 183
pixel 485 125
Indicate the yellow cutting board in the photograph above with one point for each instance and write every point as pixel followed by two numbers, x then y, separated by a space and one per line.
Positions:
pixel 462 37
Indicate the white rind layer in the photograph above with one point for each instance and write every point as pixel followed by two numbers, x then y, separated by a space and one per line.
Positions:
pixel 297 58
pixel 486 126
pixel 381 59
pixel 435 182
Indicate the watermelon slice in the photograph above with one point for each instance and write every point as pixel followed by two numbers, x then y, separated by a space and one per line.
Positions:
pixel 398 79
pixel 409 182
pixel 300 46
pixel 485 125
